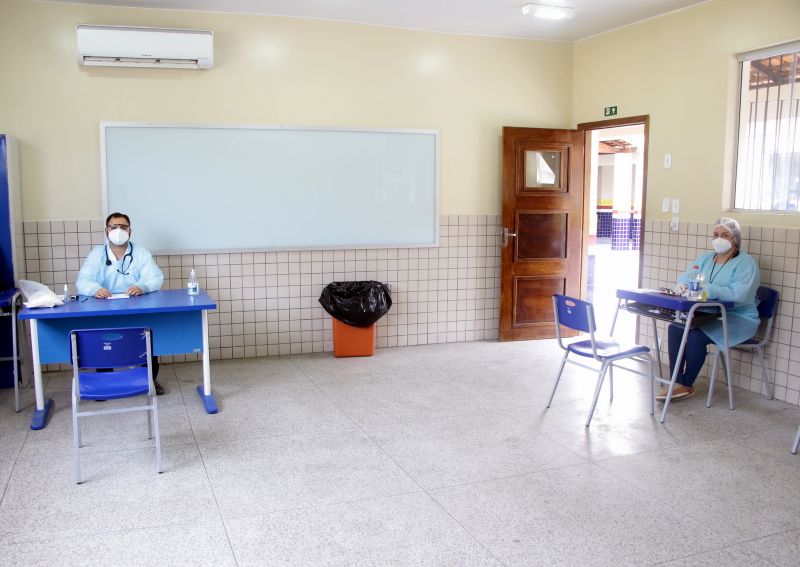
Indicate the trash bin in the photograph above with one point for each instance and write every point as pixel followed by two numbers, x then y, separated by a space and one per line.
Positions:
pixel 355 308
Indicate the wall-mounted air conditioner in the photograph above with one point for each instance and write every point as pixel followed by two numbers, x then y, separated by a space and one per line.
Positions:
pixel 124 46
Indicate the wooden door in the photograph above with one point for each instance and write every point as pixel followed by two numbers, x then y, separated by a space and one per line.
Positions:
pixel 542 226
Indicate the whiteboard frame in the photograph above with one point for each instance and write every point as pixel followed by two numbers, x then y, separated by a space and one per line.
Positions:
pixel 435 133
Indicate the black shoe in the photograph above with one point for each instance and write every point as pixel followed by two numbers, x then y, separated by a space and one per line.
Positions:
pixel 159 388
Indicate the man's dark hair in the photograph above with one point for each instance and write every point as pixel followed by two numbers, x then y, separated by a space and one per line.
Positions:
pixel 123 215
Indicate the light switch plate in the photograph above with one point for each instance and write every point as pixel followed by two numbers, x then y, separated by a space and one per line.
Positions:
pixel 665 205
pixel 667 161
pixel 676 206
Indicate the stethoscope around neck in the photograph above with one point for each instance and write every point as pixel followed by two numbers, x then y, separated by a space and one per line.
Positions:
pixel 128 254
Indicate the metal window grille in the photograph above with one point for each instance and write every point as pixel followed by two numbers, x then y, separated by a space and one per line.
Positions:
pixel 768 153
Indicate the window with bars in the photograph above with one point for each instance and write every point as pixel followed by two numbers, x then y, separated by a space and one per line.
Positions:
pixel 768 154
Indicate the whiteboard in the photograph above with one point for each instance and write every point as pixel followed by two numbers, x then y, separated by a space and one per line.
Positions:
pixel 194 189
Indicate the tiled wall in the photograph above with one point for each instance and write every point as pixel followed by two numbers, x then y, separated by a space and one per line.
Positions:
pixel 667 254
pixel 267 301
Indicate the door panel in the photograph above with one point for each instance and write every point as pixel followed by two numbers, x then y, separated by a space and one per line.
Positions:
pixel 543 206
pixel 541 235
pixel 533 303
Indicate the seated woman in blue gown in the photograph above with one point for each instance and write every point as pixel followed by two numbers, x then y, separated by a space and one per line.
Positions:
pixel 730 275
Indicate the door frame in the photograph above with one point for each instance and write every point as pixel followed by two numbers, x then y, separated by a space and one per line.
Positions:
pixel 587 128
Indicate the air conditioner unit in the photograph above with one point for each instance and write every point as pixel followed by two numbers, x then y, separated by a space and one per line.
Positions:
pixel 124 46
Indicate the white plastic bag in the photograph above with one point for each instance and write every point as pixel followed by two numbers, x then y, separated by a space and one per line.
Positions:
pixel 38 295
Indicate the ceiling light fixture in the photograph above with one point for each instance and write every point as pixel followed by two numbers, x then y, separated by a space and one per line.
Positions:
pixel 548 12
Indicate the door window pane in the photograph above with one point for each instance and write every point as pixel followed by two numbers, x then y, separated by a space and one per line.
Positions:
pixel 542 169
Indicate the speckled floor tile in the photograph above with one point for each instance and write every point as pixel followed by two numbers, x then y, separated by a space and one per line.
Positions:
pixel 203 543
pixel 420 396
pixel 396 531
pixel 257 476
pixel 447 451
pixel 782 550
pixel 315 460
pixel 269 407
pixel 735 489
pixel 120 491
pixel 734 556
pixel 578 515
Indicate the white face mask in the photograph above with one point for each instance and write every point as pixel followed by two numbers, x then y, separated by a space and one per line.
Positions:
pixel 721 245
pixel 118 236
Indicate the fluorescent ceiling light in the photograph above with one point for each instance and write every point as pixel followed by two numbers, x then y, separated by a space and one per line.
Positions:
pixel 547 12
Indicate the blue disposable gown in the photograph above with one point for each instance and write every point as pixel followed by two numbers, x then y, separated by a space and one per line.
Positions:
pixel 736 281
pixel 140 269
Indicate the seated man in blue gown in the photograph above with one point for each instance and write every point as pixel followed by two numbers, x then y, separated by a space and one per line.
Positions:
pixel 120 267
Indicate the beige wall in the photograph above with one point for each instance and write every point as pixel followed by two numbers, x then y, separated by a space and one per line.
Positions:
pixel 270 71
pixel 681 70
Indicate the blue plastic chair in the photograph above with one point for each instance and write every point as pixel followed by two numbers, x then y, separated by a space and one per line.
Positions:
pixel 767 306
pixel 124 355
pixel 578 315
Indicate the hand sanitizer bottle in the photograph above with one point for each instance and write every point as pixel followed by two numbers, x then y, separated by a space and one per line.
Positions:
pixel 66 293
pixel 191 285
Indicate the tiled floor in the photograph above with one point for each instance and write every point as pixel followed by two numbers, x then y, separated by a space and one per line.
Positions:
pixel 431 455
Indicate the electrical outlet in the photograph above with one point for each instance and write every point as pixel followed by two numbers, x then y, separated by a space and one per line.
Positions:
pixel 674 224
pixel 667 161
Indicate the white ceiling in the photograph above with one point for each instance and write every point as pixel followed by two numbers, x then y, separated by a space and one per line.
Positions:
pixel 500 18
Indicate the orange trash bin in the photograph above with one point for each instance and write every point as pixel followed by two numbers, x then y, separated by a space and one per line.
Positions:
pixel 352 341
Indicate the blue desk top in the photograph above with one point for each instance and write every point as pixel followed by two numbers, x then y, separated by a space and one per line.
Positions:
pixel 6 296
pixel 664 300
pixel 157 302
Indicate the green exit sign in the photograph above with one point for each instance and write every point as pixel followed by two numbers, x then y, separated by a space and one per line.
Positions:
pixel 610 111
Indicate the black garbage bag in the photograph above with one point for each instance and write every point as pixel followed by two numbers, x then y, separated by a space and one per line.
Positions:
pixel 356 303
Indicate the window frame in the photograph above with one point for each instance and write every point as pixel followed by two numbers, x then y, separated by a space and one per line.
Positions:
pixel 742 58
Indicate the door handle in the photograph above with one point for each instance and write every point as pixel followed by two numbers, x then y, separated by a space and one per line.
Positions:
pixel 506 234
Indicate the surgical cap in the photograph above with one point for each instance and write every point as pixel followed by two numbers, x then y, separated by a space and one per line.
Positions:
pixel 731 226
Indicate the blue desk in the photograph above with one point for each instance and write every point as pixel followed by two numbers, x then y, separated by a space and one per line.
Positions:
pixel 656 305
pixel 179 324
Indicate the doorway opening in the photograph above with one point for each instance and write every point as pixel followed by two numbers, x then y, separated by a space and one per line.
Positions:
pixel 616 172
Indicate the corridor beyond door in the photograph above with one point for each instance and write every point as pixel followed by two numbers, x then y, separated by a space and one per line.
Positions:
pixel 616 186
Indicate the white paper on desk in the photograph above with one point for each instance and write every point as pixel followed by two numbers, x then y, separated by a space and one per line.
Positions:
pixel 118 296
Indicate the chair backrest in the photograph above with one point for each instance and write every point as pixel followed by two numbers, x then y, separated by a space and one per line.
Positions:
pixel 573 313
pixel 767 302
pixel 110 348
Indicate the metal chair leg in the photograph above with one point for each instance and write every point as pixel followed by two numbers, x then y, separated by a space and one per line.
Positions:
pixel 597 389
pixel 611 381
pixel 671 387
pixel 727 368
pixel 558 377
pixel 712 378
pixel 796 442
pixel 652 386
pixel 76 442
pixel 15 354
pixel 150 421
pixel 765 373
pixel 157 434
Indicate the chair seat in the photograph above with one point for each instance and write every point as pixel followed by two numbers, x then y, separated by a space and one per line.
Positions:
pixel 748 342
pixel 112 386
pixel 606 349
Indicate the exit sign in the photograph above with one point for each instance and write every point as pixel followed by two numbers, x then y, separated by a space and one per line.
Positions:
pixel 610 111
